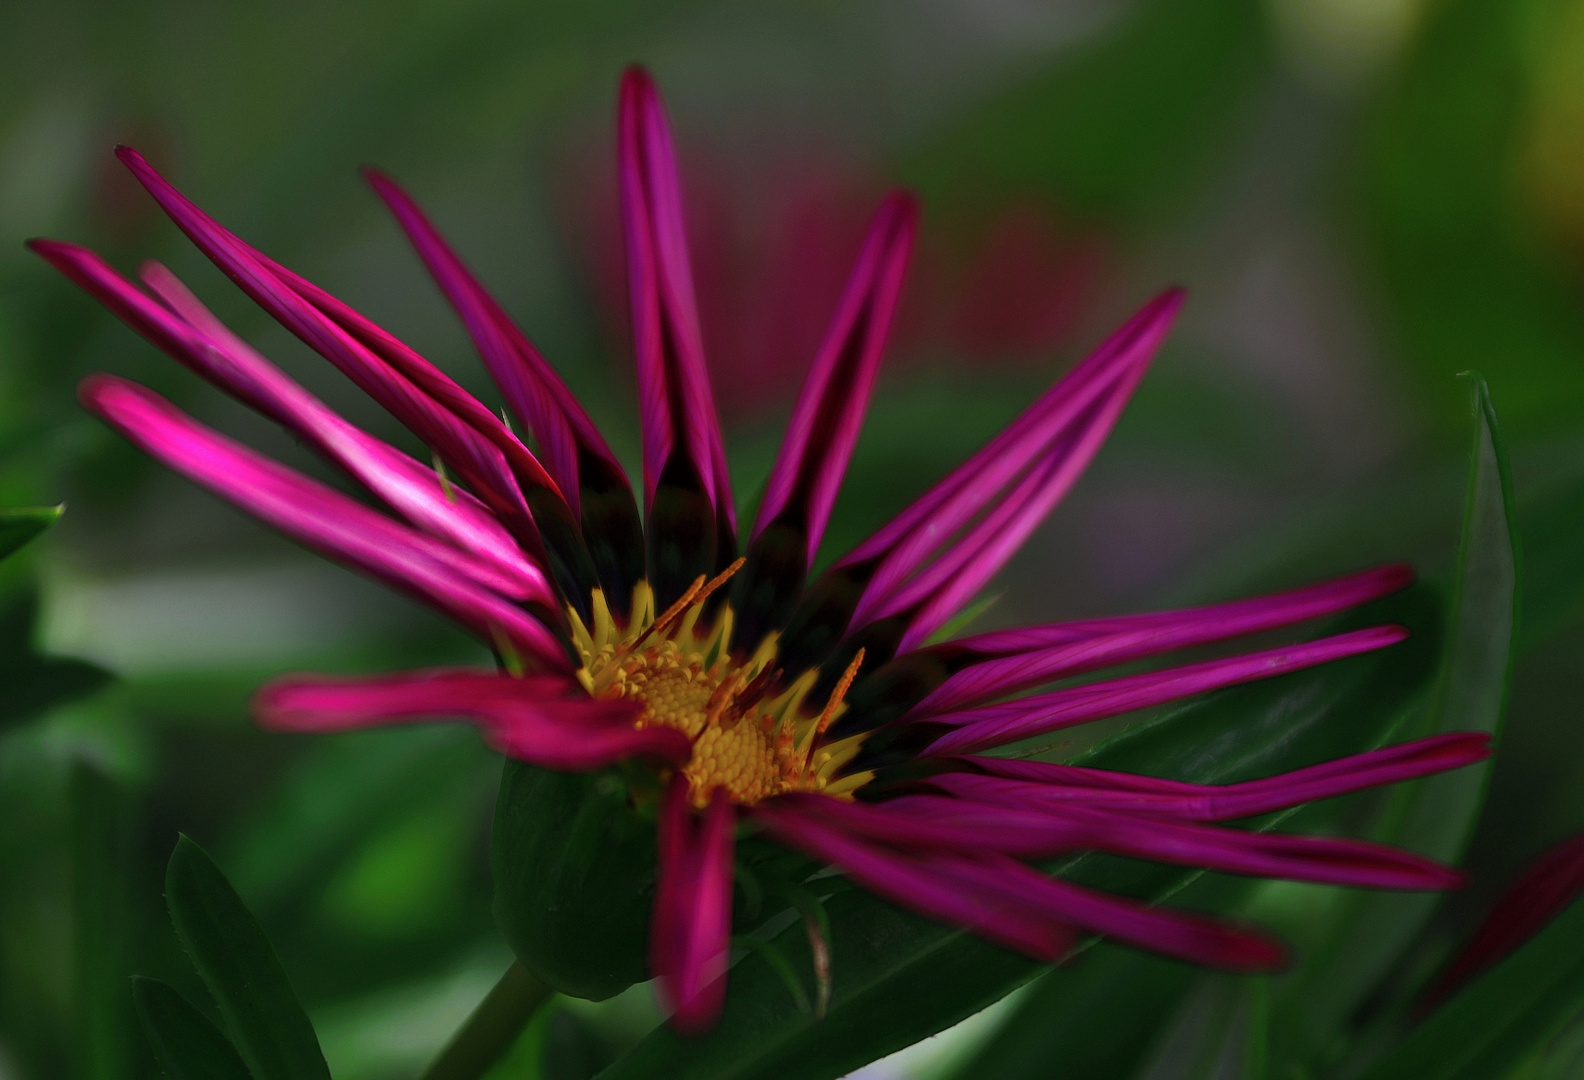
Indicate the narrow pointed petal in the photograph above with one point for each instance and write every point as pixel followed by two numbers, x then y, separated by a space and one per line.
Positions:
pixel 830 409
pixel 575 454
pixel 470 439
pixel 930 821
pixel 1195 938
pixel 546 720
pixel 825 424
pixel 1042 783
pixel 691 522
pixel 1539 895
pixel 1017 660
pixel 690 938
pixel 407 486
pixel 321 518
pixel 1064 428
pixel 899 586
pixel 530 385
pixel 918 882
pixel 996 725
pixel 189 333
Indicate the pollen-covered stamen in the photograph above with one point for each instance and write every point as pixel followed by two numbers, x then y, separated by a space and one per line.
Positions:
pixel 751 734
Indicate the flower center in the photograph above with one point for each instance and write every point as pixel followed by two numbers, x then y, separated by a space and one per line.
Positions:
pixel 753 735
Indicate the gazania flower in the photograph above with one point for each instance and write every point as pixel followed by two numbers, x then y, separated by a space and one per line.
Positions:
pixel 757 698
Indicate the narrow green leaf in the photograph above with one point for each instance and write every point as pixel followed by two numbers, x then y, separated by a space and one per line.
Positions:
pixel 99 857
pixel 898 978
pixel 1502 1017
pixel 238 964
pixel 188 1046
pixel 21 524
pixel 1435 816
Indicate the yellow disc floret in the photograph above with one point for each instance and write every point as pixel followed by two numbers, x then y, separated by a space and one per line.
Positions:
pixel 752 737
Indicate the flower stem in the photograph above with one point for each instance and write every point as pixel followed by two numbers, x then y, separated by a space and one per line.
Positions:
pixel 490 1029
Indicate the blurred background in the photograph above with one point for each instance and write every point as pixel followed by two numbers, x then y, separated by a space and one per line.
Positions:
pixel 1363 197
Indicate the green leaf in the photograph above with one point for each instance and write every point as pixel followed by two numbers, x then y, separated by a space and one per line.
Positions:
pixel 898 978
pixel 19 525
pixel 1098 1016
pixel 239 965
pixel 33 683
pixel 1503 1017
pixel 1435 816
pixel 574 874
pixel 188 1046
pixel 99 916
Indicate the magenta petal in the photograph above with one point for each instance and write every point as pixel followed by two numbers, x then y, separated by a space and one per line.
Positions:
pixel 690 937
pixel 1019 659
pixel 996 725
pixel 1050 784
pixel 1195 938
pixel 1539 895
pixel 830 409
pixel 924 883
pixel 530 385
pixel 674 397
pixel 999 495
pixel 543 719
pixel 321 518
pixel 1043 833
pixel 459 428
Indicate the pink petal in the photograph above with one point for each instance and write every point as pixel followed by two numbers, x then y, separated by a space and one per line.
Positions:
pixel 490 462
pixel 320 517
pixel 921 883
pixel 186 330
pixel 674 396
pixel 1539 895
pixel 996 725
pixel 830 410
pixel 690 937
pixel 1042 783
pixel 1041 833
pixel 543 719
pixel 1195 938
pixel 1002 493
pixel 1020 659
pixel 530 385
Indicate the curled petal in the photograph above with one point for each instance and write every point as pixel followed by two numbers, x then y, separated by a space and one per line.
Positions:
pixel 321 518
pixel 920 882
pixel 691 522
pixel 1043 783
pixel 996 725
pixel 543 719
pixel 1016 660
pixel 690 938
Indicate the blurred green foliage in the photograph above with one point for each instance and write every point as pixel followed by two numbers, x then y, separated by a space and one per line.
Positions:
pixel 1360 210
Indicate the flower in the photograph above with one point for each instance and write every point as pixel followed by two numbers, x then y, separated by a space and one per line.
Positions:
pixel 757 697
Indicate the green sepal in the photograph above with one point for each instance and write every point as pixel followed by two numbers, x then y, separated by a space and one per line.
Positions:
pixel 574 868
